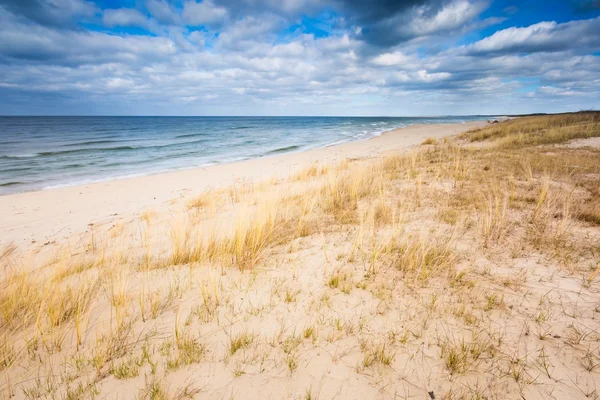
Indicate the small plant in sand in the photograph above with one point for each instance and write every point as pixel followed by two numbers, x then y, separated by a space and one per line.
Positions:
pixel 459 356
pixel 379 354
pixel 494 216
pixel 240 341
pixel 387 254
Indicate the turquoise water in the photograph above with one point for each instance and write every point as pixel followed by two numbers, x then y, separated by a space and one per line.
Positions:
pixel 46 152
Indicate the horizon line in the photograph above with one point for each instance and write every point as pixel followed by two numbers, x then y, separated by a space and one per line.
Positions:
pixel 280 116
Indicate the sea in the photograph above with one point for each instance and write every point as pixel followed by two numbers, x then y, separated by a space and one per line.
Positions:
pixel 40 153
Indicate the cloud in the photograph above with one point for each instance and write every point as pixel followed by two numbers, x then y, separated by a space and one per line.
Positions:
pixel 204 13
pixel 125 17
pixel 291 7
pixel 379 10
pixel 452 17
pixel 50 12
pixel 285 8
pixel 163 12
pixel 541 37
pixel 22 43
pixel 245 33
pixel 421 76
pixel 390 59
pixel 251 56
pixel 388 23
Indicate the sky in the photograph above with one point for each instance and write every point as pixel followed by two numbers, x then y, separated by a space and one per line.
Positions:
pixel 298 57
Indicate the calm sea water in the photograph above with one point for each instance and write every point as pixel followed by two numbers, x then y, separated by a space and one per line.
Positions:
pixel 45 152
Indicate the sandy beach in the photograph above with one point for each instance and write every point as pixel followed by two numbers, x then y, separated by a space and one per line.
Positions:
pixel 451 261
pixel 299 200
pixel 52 215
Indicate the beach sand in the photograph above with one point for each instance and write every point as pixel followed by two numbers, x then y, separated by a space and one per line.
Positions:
pixel 428 263
pixel 50 216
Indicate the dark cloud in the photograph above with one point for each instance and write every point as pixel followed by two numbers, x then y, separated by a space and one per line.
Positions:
pixel 21 42
pixel 49 12
pixel 383 23
pixel 386 23
pixel 377 11
pixel 240 58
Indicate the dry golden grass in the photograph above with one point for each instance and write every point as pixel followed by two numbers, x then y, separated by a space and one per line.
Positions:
pixel 473 268
pixel 539 130
pixel 315 170
pixel 422 258
pixel 591 213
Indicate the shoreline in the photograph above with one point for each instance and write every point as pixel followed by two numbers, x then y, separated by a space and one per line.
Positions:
pixel 105 176
pixel 451 258
pixel 273 153
pixel 58 213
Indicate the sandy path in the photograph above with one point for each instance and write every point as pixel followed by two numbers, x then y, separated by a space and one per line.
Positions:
pixel 51 215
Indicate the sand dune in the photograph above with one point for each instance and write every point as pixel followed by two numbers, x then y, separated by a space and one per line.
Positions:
pixel 428 263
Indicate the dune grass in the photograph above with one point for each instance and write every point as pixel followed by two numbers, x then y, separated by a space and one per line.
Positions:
pixel 539 130
pixel 356 264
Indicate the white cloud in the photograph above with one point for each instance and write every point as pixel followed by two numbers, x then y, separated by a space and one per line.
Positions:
pixel 454 16
pixel 124 17
pixel 389 59
pixel 424 76
pixel 543 36
pixel 248 32
pixel 196 75
pixel 204 13
pixel 197 38
pixel 119 83
pixel 555 91
pixel 163 12
pixel 248 65
pixel 535 34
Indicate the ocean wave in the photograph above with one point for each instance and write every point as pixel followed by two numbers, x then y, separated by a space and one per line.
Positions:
pixel 18 169
pixel 283 150
pixel 11 183
pixel 17 156
pixel 88 150
pixel 363 135
pixel 92 142
pixel 189 135
pixel 149 160
pixel 83 156
pixel 72 166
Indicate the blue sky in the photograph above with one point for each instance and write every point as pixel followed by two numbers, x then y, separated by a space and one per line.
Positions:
pixel 298 57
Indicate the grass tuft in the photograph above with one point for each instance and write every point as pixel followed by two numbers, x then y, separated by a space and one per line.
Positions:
pixel 239 342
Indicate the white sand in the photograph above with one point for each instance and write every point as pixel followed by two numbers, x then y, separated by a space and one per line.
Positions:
pixel 335 314
pixel 54 215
